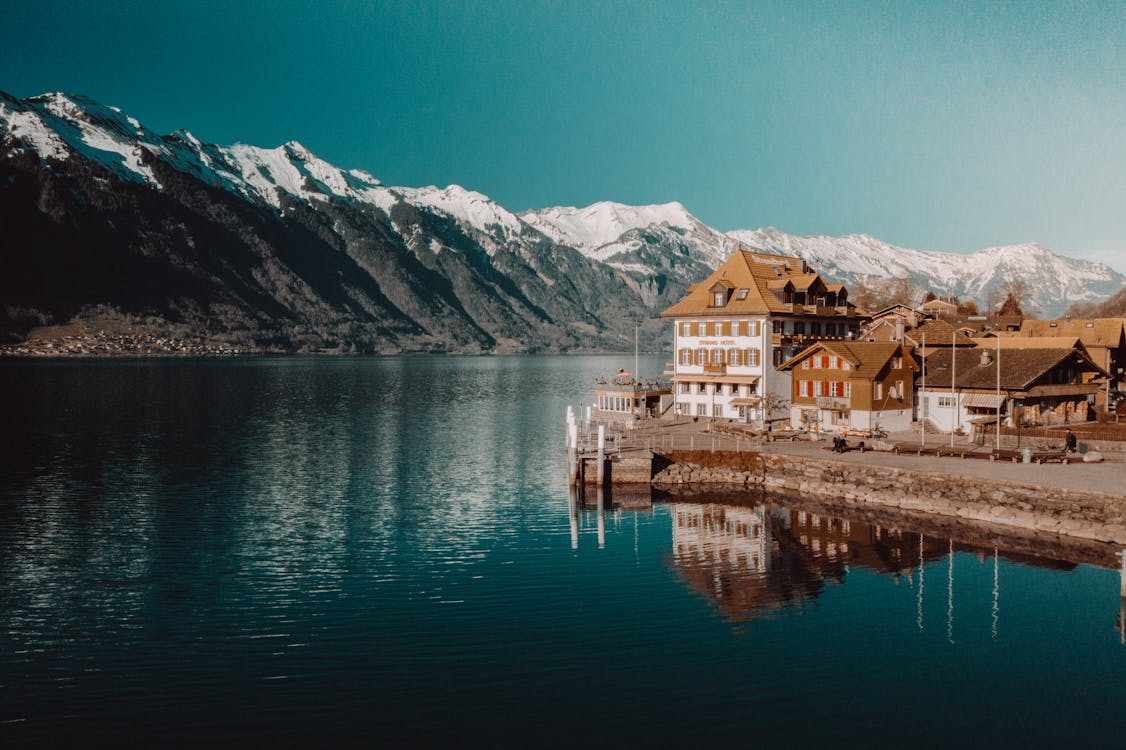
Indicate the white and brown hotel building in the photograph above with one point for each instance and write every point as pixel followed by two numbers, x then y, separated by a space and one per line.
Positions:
pixel 753 313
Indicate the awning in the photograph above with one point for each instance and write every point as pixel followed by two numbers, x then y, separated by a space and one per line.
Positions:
pixel 745 401
pixel 983 400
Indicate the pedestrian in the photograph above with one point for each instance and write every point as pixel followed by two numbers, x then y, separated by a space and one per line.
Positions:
pixel 1069 442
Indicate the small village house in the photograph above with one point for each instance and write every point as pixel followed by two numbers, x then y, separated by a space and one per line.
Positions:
pixel 1052 381
pixel 852 386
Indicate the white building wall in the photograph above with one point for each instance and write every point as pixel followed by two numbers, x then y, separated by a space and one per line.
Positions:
pixel 770 380
pixel 944 409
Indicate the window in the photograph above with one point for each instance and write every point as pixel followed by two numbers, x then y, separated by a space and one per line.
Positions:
pixel 945 401
pixel 734 358
pixel 685 387
pixel 779 326
pixel 685 356
pixel 778 358
pixel 717 411
pixel 685 329
pixel 742 295
pixel 718 299
pixel 815 329
pixel 799 329
pixel 899 390
pixel 755 331
pixel 897 362
pixel 752 357
pixel 701 410
pixel 878 391
pixel 805 388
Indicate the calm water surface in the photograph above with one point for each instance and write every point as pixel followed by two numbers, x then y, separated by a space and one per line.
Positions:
pixel 381 552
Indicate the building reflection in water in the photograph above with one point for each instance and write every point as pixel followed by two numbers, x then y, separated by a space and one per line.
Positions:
pixel 761 560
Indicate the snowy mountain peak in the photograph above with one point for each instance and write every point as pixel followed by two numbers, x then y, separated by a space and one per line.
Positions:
pixel 1059 281
pixel 599 224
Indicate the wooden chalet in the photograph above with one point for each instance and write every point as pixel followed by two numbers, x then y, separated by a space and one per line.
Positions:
pixel 854 386
pixel 1052 383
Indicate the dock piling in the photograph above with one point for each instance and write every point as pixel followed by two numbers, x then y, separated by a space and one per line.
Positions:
pixel 1123 576
pixel 600 461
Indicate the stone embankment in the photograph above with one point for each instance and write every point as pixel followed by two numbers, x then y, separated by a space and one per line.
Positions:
pixel 1088 515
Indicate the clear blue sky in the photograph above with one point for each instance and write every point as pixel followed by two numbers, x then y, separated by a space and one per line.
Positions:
pixel 946 126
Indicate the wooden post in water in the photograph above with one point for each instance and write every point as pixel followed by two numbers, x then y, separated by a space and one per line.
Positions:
pixel 573 499
pixel 601 517
pixel 573 453
pixel 600 465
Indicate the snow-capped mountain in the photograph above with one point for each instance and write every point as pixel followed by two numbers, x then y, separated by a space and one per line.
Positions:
pixel 1055 281
pixel 283 248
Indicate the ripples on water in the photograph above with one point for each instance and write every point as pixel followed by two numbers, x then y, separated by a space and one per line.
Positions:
pixel 379 551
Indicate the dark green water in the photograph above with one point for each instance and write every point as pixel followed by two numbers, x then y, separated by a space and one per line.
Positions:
pixel 379 552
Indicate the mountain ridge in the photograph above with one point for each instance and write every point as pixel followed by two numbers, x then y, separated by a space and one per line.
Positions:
pixel 287 251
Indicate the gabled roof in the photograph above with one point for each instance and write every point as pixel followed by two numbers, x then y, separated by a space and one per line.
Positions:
pixel 1092 332
pixel 898 309
pixel 938 333
pixel 1031 342
pixel 1020 368
pixel 759 273
pixel 937 304
pixel 867 358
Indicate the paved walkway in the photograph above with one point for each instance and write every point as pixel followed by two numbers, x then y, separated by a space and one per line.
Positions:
pixel 1108 476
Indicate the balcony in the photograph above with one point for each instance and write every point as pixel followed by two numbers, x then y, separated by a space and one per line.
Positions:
pixel 803 339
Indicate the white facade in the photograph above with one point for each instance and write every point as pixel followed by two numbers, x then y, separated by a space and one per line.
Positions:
pixel 828 420
pixel 721 361
pixel 951 412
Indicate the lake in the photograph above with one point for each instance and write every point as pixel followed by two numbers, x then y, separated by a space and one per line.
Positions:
pixel 382 552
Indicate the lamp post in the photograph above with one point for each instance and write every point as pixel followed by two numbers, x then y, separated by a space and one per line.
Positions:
pixel 923 405
pixel 997 444
pixel 956 413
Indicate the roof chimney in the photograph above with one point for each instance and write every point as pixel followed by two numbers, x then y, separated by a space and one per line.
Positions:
pixel 986 358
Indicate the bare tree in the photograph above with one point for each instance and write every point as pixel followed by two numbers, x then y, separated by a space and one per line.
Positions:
pixel 1018 294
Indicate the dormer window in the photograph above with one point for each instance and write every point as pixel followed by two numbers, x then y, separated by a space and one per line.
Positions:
pixel 742 294
pixel 720 292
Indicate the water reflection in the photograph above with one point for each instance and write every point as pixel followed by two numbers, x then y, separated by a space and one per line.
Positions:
pixel 760 556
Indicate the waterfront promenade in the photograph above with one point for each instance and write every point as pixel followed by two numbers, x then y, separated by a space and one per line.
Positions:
pixel 1108 476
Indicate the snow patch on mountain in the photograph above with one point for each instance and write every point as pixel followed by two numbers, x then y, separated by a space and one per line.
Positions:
pixel 478 211
pixel 29 127
pixel 587 229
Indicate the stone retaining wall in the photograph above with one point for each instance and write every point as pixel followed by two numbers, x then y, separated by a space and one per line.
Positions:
pixel 1088 515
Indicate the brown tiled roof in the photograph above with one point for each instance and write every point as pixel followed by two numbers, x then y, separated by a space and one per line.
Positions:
pixel 1020 368
pixel 866 357
pixel 1031 342
pixel 1092 332
pixel 757 272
